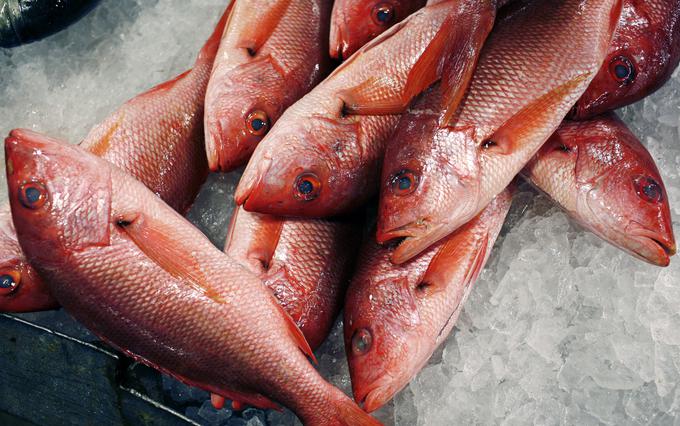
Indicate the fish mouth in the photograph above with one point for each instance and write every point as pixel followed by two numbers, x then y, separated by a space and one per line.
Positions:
pixel 246 191
pixel 212 153
pixel 339 50
pixel 338 42
pixel 655 247
pixel 415 238
pixel 215 149
pixel 378 393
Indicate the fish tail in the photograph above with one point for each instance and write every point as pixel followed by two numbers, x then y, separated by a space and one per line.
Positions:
pixel 342 412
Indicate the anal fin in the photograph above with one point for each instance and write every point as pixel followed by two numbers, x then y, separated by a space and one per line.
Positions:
pixel 153 239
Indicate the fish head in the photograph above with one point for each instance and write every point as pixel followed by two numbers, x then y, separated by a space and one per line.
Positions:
pixel 239 114
pixel 420 192
pixel 383 341
pixel 356 22
pixel 307 181
pixel 622 193
pixel 60 198
pixel 642 57
pixel 21 288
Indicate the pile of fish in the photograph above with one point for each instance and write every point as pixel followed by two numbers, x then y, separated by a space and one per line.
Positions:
pixel 435 109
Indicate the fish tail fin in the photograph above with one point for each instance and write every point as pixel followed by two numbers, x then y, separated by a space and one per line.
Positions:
pixel 342 412
pixel 209 50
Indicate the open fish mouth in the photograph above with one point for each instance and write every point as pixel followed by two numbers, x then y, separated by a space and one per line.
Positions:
pixel 415 237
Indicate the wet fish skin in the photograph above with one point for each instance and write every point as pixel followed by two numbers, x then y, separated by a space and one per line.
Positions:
pixel 436 177
pixel 305 262
pixel 356 22
pixel 157 137
pixel 397 315
pixel 646 50
pixel 322 157
pixel 258 76
pixel 606 180
pixel 142 278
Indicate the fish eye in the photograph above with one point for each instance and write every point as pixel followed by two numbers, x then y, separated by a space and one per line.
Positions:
pixel 307 187
pixel 622 70
pixel 383 14
pixel 32 195
pixel 9 282
pixel 403 182
pixel 361 341
pixel 648 189
pixel 257 123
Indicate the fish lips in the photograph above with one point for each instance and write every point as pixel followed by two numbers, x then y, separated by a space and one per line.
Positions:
pixel 372 395
pixel 413 238
pixel 654 247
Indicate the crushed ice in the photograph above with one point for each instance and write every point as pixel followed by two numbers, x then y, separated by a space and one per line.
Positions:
pixel 560 329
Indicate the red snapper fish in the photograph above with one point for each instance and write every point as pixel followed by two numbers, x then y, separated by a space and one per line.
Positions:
pixel 356 22
pixel 642 57
pixel 600 173
pixel 142 278
pixel 156 137
pixel 271 54
pixel 442 168
pixel 322 157
pixel 305 262
pixel 397 315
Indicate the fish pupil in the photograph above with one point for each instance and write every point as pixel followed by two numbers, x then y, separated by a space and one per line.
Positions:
pixel 404 183
pixel 361 341
pixel 622 71
pixel 648 189
pixel 257 124
pixel 305 187
pixel 7 281
pixel 652 190
pixel 32 195
pixel 384 15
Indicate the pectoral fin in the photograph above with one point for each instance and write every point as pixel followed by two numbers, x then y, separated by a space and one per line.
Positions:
pixel 165 250
pixel 387 94
pixel 539 114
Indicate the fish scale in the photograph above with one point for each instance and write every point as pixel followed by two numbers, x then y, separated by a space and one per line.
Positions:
pixel 646 36
pixel 354 111
pixel 408 310
pixel 353 22
pixel 531 72
pixel 152 285
pixel 157 137
pixel 287 58
pixel 589 169
pixel 304 262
